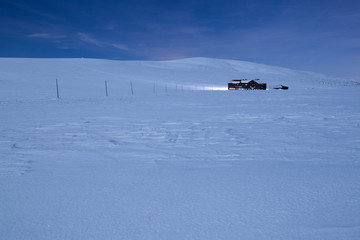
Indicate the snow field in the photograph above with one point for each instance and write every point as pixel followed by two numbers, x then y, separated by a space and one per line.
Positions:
pixel 176 165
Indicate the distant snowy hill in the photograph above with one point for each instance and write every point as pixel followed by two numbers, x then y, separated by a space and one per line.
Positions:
pixel 85 77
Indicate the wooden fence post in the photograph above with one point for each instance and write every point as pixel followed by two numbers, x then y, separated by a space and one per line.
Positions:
pixel 57 89
pixel 132 90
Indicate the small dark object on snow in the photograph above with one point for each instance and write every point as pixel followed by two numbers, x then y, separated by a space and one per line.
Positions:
pixel 282 87
pixel 252 85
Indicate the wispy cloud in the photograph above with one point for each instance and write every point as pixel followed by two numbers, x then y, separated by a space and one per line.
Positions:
pixel 46 36
pixel 106 45
pixel 84 37
pixel 34 10
pixel 120 46
pixel 190 30
pixel 110 27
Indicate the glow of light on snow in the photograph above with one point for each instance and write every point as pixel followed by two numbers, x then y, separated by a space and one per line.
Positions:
pixel 215 88
pixel 208 88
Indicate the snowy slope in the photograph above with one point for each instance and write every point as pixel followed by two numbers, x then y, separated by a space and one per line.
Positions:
pixel 79 78
pixel 177 164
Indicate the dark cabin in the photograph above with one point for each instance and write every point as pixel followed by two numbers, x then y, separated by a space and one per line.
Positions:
pixel 252 85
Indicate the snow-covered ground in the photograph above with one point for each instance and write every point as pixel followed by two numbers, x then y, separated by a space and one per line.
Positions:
pixel 173 161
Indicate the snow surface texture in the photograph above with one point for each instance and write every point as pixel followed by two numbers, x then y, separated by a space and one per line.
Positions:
pixel 168 162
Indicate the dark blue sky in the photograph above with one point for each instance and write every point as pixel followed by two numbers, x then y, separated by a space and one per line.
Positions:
pixel 316 35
